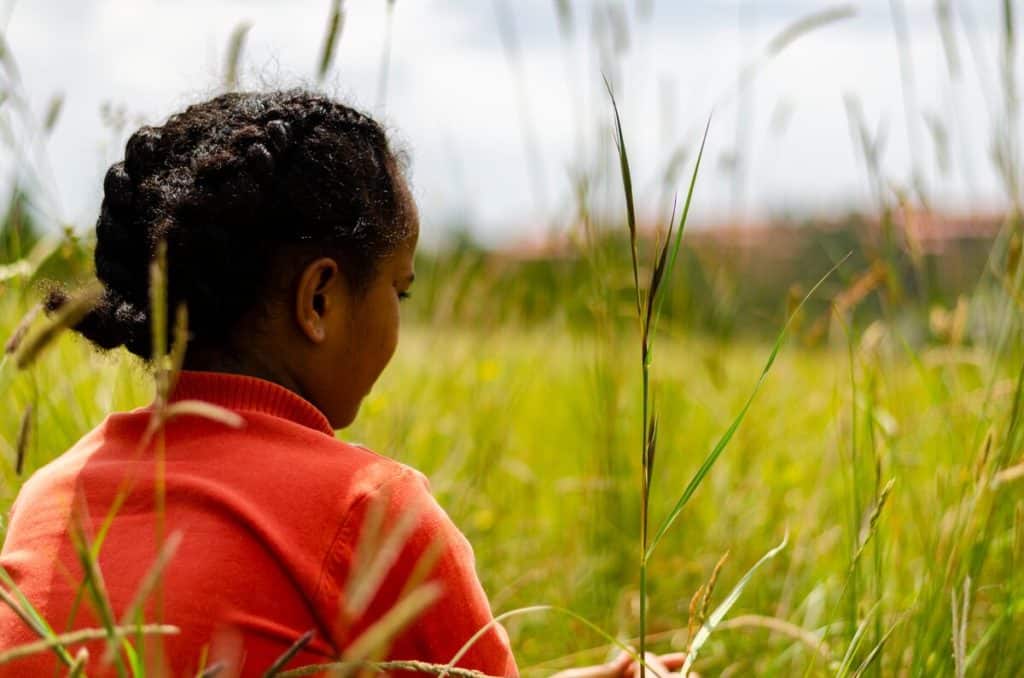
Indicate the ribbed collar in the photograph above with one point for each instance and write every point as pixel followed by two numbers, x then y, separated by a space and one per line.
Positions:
pixel 245 393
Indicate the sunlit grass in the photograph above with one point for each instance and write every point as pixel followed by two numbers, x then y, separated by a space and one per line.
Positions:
pixel 508 426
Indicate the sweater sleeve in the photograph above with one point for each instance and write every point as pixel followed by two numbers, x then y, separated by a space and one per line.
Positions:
pixel 396 538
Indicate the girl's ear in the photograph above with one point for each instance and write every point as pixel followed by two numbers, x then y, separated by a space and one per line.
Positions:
pixel 317 297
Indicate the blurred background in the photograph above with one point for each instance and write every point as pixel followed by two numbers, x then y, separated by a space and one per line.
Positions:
pixel 871 145
pixel 821 114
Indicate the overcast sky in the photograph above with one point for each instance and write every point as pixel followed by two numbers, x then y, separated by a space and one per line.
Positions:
pixel 496 123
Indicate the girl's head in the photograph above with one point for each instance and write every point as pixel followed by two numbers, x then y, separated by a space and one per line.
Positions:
pixel 290 233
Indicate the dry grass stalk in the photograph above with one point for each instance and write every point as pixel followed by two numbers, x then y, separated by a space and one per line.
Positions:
pixel 871 524
pixel 76 308
pixel 24 433
pixel 718 615
pixel 78 668
pixel 694 620
pixel 981 466
pixel 149 583
pixel 783 627
pixel 295 648
pixel 22 329
pixel 379 636
pixel 700 604
pixel 376 553
pixel 234 57
pixel 868 281
pixel 365 582
pixel 961 613
pixel 424 567
pixel 214 669
pixel 158 322
pixel 383 667
pixel 201 408
pixel 195 408
pixel 83 636
pixel 179 345
pixel 1008 475
pixel 705 602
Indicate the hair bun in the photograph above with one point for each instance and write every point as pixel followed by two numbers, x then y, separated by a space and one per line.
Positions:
pixel 112 322
pixel 117 187
pixel 141 151
pixel 279 134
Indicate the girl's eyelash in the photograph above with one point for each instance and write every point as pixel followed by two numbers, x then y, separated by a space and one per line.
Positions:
pixel 404 295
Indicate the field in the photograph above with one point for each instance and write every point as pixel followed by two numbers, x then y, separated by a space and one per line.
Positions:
pixel 528 435
pixel 864 432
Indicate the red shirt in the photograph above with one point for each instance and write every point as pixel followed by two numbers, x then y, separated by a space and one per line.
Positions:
pixel 276 522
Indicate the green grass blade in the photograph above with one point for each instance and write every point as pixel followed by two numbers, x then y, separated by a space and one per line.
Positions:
pixel 858 636
pixel 868 530
pixel 876 651
pixel 682 221
pixel 335 24
pixel 723 608
pixel 627 188
pixel 148 584
pixel 24 609
pixel 710 460
pixel 97 588
pixel 612 640
pixel 134 661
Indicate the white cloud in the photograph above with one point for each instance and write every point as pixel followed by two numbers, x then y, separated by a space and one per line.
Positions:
pixel 454 102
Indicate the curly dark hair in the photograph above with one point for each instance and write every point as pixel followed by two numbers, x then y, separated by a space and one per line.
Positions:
pixel 235 186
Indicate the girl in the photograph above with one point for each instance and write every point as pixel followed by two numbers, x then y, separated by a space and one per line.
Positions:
pixel 289 232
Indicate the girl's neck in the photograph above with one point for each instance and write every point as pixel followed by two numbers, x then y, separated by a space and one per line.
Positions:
pixel 249 363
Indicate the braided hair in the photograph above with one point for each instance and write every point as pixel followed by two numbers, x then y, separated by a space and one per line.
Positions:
pixel 232 185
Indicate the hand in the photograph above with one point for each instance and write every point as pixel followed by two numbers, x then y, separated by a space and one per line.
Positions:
pixel 664 666
pixel 623 666
pixel 613 669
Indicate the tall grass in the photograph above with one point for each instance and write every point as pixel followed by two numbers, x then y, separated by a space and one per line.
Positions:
pixel 891 452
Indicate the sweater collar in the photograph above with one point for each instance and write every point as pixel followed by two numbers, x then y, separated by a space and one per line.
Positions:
pixel 245 393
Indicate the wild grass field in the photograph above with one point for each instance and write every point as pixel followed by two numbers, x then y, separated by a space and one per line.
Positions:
pixel 881 462
pixel 882 446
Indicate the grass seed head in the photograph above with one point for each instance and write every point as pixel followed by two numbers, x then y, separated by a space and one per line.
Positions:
pixel 70 312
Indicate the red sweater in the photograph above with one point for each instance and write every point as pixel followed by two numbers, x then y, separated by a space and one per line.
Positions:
pixel 270 517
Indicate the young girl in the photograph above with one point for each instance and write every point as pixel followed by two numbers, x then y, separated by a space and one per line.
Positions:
pixel 290 233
